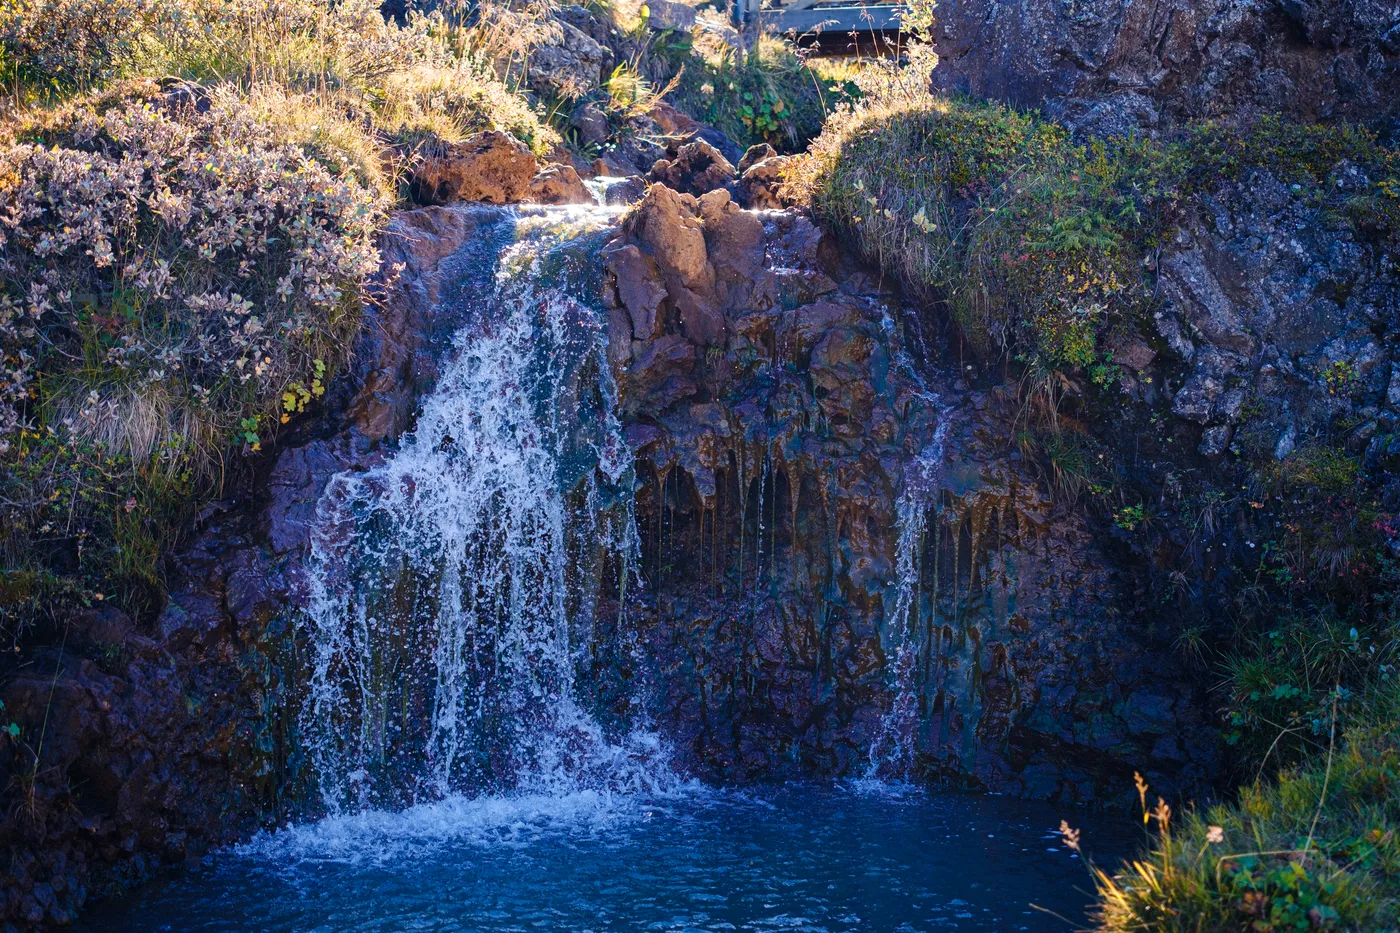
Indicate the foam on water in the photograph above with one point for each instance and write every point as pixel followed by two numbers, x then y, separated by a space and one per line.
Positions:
pixel 384 837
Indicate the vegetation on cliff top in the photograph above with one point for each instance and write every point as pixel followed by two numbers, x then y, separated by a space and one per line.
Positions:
pixel 1041 246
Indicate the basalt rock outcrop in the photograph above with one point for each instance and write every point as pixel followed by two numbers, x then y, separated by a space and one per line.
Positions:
pixel 1115 65
pixel 1269 298
pixel 698 167
pixel 783 441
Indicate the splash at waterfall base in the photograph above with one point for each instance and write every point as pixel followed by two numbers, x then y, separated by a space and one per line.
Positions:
pixel 807 548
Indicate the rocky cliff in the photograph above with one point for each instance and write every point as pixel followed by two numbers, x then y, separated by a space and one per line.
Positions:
pixel 1120 65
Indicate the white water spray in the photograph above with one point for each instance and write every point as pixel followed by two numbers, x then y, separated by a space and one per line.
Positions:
pixel 453 587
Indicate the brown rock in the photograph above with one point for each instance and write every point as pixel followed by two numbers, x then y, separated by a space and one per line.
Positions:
pixel 671 121
pixel 701 320
pixel 755 154
pixel 624 192
pixel 559 184
pixel 697 168
pixel 660 372
pixel 734 237
pixel 666 226
pixel 494 167
pixel 759 187
pixel 639 287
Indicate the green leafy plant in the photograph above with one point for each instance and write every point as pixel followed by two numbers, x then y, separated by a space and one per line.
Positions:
pixel 1130 517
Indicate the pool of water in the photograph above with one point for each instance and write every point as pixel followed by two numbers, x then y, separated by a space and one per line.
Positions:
pixel 796 858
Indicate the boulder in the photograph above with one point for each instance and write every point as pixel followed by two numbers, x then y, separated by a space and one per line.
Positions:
pixel 564 61
pixel 759 186
pixel 755 154
pixel 698 167
pixel 666 226
pixel 591 123
pixel 670 14
pixel 624 191
pixel 493 167
pixel 1114 65
pixel 559 184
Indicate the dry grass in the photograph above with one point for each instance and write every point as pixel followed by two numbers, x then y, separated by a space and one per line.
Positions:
pixel 1317 850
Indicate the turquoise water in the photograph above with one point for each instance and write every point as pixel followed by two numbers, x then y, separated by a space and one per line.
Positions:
pixel 797 858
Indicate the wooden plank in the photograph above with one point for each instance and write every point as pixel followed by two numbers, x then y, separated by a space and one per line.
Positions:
pixel 835 19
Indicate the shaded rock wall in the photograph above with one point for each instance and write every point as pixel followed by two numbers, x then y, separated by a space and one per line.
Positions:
pixel 777 425
pixel 1120 64
pixel 776 421
pixel 1264 292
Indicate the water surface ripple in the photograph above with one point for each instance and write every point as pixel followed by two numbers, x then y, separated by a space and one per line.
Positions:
pixel 797 858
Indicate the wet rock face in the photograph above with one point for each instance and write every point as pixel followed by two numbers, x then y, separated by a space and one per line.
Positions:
pixel 773 445
pixel 776 422
pixel 558 184
pixel 159 742
pixel 1114 65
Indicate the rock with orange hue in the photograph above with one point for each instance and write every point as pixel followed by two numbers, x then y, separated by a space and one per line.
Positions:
pixel 492 167
pixel 698 167
pixel 558 184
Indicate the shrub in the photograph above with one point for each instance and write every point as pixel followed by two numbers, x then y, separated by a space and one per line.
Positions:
pixel 432 104
pixel 1032 240
pixel 51 48
pixel 301 45
pixel 769 94
pixel 175 279
pixel 1284 684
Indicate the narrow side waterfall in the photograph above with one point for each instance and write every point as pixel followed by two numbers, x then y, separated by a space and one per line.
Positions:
pixel 893 749
pixel 454 588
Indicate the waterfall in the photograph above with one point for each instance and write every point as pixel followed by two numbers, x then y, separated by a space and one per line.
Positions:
pixel 453 589
pixel 893 749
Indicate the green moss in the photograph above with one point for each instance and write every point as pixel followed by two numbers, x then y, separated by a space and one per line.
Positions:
pixel 1039 246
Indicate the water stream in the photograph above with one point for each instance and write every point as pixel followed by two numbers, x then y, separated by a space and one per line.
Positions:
pixel 466 782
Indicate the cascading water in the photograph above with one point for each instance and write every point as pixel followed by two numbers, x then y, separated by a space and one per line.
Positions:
pixel 892 751
pixel 454 587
